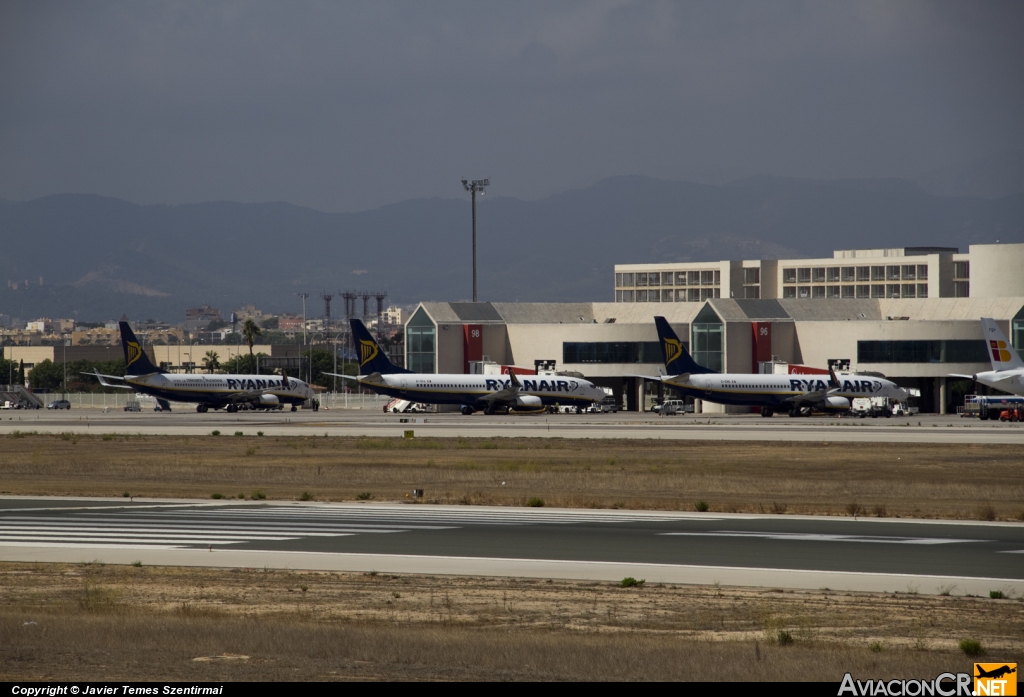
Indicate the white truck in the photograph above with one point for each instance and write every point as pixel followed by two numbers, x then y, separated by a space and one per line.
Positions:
pixel 871 406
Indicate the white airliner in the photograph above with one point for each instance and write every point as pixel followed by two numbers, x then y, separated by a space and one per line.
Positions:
pixel 486 393
pixel 1007 372
pixel 210 391
pixel 798 395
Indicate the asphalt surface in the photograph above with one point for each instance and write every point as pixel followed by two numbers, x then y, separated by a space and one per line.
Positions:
pixel 734 427
pixel 735 549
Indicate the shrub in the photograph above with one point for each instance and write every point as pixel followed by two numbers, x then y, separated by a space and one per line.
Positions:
pixel 238 433
pixel 137 562
pixel 215 495
pixel 986 513
pixel 701 506
pixel 306 496
pixel 630 582
pixel 971 647
pixel 126 495
pixel 996 595
pixel 258 495
pixel 536 502
pixel 241 495
pixel 215 433
pixel 880 511
pixel 259 433
pixel 364 496
pixel 854 509
pixel 785 638
pixel 876 647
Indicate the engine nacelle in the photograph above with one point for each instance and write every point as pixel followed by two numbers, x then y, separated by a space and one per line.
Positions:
pixel 269 400
pixel 837 403
pixel 528 401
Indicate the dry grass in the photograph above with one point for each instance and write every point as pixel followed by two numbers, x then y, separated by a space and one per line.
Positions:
pixel 923 480
pixel 102 622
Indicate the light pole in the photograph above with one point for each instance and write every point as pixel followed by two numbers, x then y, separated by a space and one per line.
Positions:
pixel 65 342
pixel 336 363
pixel 473 187
pixel 192 364
pixel 304 296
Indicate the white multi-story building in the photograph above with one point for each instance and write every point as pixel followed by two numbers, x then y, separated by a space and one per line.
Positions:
pixel 903 272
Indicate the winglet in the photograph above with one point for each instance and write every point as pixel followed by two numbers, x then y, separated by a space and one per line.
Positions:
pixel 514 380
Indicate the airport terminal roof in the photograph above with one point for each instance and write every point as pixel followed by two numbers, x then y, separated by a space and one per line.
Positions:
pixel 730 310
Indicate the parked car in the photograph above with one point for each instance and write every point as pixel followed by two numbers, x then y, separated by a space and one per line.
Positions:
pixel 671 406
pixel 59 404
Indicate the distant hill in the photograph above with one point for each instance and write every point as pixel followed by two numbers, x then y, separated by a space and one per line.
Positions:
pixel 101 257
pixel 993 176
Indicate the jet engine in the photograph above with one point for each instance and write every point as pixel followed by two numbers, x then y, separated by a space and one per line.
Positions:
pixel 837 403
pixel 269 400
pixel 528 400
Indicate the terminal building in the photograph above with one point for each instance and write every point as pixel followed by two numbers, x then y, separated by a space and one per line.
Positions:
pixel 911 314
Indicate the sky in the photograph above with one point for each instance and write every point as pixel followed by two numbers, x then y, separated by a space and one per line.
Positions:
pixel 347 106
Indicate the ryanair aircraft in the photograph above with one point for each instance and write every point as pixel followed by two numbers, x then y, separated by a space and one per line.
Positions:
pixel 486 393
pixel 210 391
pixel 1007 372
pixel 798 395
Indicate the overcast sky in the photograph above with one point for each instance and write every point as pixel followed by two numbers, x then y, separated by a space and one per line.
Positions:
pixel 351 105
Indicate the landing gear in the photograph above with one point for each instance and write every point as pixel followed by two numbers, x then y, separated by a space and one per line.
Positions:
pixel 294 408
pixel 467 411
pixel 232 408
pixel 489 410
pixel 202 408
pixel 767 412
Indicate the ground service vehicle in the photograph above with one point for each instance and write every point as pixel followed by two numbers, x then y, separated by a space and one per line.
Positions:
pixel 59 404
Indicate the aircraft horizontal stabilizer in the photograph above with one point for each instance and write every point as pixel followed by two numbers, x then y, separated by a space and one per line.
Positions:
pixel 96 374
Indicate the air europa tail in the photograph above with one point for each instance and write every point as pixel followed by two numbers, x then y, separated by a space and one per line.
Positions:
pixel 677 360
pixel 135 359
pixel 1000 352
pixel 371 358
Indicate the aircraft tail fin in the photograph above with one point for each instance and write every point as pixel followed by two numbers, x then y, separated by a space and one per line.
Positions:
pixel 372 358
pixel 677 359
pixel 1000 352
pixel 136 361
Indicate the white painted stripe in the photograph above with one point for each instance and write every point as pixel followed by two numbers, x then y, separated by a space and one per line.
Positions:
pixel 156 540
pixel 821 537
pixel 198 521
pixel 121 533
pixel 1011 551
pixel 150 528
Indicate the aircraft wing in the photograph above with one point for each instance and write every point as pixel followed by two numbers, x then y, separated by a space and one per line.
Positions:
pixel 652 378
pixel 809 398
pixel 957 375
pixel 102 378
pixel 507 395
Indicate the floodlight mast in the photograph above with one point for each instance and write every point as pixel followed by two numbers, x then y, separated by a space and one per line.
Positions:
pixel 473 187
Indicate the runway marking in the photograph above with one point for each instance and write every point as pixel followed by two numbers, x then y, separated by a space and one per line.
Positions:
pixel 822 537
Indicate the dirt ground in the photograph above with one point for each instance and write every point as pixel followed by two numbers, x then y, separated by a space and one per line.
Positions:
pixel 924 480
pixel 96 622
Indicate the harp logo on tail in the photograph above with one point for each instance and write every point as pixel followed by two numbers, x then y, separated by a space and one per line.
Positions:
pixel 134 352
pixel 673 350
pixel 367 351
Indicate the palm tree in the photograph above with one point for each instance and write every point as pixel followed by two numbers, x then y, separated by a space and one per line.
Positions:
pixel 211 362
pixel 250 330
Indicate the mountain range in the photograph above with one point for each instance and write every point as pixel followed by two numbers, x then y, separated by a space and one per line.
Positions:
pixel 102 257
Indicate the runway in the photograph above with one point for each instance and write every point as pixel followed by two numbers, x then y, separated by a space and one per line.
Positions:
pixel 628 425
pixel 731 549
